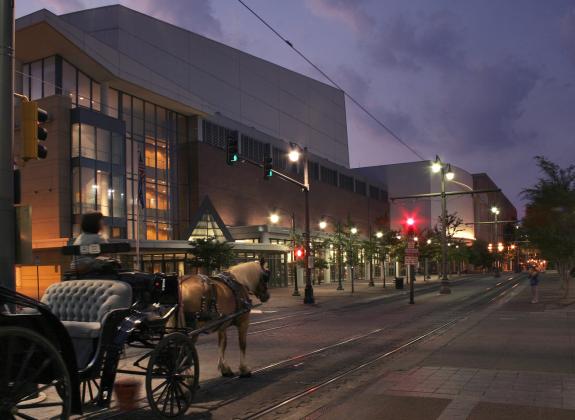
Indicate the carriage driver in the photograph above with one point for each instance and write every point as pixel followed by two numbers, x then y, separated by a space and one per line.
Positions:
pixel 92 227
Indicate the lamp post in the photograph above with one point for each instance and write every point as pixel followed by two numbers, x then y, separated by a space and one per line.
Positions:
pixel 352 232
pixel 496 212
pixel 274 219
pixel 323 225
pixel 379 236
pixel 294 156
pixel 446 174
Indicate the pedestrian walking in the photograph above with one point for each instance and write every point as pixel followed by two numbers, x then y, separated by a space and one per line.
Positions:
pixel 534 282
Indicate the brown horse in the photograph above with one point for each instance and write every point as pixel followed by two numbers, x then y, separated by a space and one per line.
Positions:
pixel 198 293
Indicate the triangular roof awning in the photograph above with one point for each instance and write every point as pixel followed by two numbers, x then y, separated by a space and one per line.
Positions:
pixel 207 223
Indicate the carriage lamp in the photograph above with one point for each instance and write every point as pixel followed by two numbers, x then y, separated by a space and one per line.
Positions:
pixel 274 218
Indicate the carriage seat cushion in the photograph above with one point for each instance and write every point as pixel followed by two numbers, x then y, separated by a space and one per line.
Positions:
pixel 83 329
pixel 87 300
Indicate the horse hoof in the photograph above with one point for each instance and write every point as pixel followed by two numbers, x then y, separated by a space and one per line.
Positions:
pixel 228 374
pixel 245 375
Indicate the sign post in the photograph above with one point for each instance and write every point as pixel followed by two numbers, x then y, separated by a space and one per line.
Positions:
pixel 411 260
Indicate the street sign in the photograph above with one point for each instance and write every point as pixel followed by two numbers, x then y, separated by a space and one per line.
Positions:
pixel 411 260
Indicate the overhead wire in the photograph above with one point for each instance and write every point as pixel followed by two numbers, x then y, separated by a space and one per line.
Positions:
pixel 333 82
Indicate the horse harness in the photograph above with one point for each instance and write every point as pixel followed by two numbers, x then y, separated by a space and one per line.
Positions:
pixel 209 301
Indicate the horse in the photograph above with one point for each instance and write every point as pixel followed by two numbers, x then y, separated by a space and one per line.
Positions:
pixel 221 297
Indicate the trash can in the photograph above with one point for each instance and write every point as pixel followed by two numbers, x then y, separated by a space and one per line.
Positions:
pixel 399 282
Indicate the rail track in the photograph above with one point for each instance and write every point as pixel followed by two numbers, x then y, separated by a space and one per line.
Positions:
pixel 458 310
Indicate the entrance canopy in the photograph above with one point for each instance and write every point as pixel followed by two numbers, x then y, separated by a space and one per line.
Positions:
pixel 207 223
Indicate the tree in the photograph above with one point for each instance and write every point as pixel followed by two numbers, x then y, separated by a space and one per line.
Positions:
pixel 550 216
pixel 211 254
pixel 479 255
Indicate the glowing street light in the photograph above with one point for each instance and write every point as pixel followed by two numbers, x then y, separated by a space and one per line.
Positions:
pixel 449 174
pixel 294 155
pixel 274 218
pixel 322 224
pixel 379 235
pixel 353 230
pixel 428 241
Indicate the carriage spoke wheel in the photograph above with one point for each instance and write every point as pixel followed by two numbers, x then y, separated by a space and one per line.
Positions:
pixel 90 390
pixel 172 375
pixel 35 382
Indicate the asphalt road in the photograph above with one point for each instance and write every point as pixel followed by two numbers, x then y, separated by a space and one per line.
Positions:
pixel 303 357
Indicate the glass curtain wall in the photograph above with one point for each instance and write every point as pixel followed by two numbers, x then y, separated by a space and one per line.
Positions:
pixel 98 176
pixel 151 135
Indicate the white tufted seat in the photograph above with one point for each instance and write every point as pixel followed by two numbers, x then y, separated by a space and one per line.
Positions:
pixel 82 306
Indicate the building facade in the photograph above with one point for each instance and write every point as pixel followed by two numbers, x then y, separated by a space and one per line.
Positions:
pixel 118 95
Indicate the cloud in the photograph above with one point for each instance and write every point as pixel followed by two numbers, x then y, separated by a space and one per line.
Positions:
pixel 353 82
pixel 350 12
pixel 64 6
pixel 482 104
pixel 412 43
pixel 194 15
pixel 567 28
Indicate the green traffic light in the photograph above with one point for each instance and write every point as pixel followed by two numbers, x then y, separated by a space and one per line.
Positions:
pixel 235 158
pixel 270 173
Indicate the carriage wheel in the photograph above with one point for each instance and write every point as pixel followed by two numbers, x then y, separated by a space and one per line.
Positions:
pixel 172 375
pixel 89 391
pixel 34 382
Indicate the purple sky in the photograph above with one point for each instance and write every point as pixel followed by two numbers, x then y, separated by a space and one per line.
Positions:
pixel 486 84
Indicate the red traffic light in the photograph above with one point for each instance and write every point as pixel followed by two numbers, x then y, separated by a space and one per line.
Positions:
pixel 299 252
pixel 410 221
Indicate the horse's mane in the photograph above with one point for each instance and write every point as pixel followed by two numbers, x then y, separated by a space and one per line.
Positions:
pixel 247 273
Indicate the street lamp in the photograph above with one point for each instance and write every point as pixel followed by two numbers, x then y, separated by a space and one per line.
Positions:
pixel 296 153
pixel 379 235
pixel 274 219
pixel 352 231
pixel 446 174
pixel 323 226
pixel 496 212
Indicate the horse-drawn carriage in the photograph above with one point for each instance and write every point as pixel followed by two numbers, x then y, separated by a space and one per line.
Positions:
pixel 60 354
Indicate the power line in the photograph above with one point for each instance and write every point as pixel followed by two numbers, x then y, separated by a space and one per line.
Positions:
pixel 333 82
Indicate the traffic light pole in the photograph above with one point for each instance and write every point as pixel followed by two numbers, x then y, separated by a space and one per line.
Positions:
pixel 295 287
pixel 7 215
pixel 308 294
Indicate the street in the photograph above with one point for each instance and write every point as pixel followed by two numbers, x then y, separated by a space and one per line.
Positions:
pixel 387 359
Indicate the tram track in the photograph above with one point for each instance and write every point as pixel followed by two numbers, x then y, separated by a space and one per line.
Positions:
pixel 272 408
pixel 500 289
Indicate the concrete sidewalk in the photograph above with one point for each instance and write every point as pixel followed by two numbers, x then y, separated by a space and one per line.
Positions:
pixel 518 362
pixel 327 293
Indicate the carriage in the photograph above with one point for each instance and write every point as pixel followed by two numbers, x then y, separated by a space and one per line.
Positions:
pixel 63 354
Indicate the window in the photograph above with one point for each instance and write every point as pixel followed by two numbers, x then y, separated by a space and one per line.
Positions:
pixel 84 90
pixel 76 140
pixel 216 135
pixel 329 176
pixel 49 76
pixel 96 100
pixel 113 105
pixel 374 192
pixel 69 81
pixel 360 187
pixel 36 80
pixel 254 149
pixel 88 141
pixel 313 168
pixel 279 159
pixel 103 145
pixel 346 182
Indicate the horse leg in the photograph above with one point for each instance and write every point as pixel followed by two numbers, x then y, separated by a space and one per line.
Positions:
pixel 243 325
pixel 222 341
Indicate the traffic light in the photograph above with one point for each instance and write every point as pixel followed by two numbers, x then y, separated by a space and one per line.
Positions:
pixel 232 150
pixel 410 225
pixel 268 168
pixel 299 253
pixel 32 131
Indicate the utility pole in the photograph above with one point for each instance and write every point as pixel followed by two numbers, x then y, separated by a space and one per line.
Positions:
pixel 7 214
pixel 295 288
